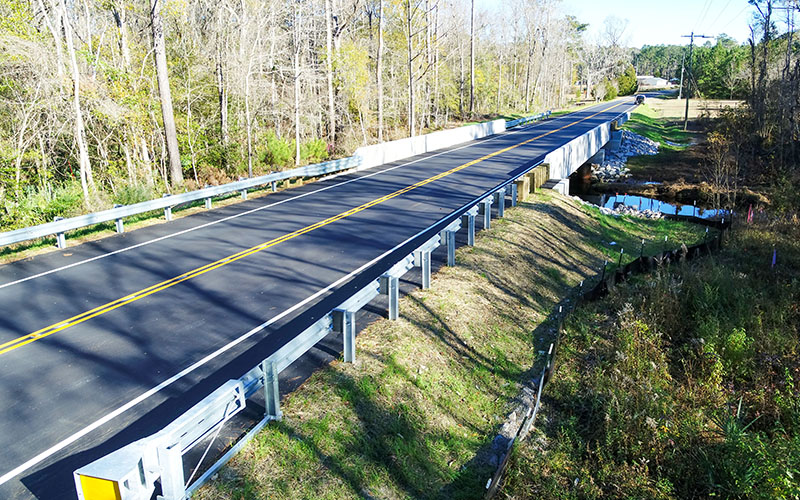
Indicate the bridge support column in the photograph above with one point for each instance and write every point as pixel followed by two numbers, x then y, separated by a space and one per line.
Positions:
pixel 390 285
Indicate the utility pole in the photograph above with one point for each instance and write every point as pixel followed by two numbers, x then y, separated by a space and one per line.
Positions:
pixel 690 76
pixel 683 68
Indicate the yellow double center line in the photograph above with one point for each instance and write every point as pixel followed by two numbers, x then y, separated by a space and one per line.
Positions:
pixel 97 311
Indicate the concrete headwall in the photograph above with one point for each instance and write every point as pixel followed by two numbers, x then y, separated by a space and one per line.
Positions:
pixel 569 157
pixel 387 152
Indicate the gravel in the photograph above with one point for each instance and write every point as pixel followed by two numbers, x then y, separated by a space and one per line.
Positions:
pixel 613 168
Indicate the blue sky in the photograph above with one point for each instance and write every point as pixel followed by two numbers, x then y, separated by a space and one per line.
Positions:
pixel 652 23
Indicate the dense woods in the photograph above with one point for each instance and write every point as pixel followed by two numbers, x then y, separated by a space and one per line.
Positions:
pixel 115 101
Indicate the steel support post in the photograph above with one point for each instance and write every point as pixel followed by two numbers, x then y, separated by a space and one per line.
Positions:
pixel 422 259
pixel 500 198
pixel 344 322
pixel 390 285
pixel 61 240
pixel 244 194
pixel 208 203
pixel 514 193
pixel 469 221
pixel 274 186
pixel 171 462
pixel 449 239
pixel 486 206
pixel 272 400
pixel 120 225
pixel 168 213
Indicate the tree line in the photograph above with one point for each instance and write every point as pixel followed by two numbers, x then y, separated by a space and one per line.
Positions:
pixel 115 101
pixel 719 69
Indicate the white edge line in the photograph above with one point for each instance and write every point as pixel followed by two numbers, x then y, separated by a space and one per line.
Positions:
pixel 248 212
pixel 130 404
pixel 105 419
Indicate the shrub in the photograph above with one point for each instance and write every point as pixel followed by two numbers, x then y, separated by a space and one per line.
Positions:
pixel 279 152
pixel 129 194
pixel 627 81
pixel 314 151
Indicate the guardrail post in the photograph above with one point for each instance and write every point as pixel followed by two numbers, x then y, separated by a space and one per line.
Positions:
pixel 344 323
pixel 272 400
pixel 244 194
pixel 170 461
pixel 274 186
pixel 390 285
pixel 167 210
pixel 118 222
pixel 468 219
pixel 500 198
pixel 514 192
pixel 449 238
pixel 422 259
pixel 207 203
pixel 61 240
pixel 486 208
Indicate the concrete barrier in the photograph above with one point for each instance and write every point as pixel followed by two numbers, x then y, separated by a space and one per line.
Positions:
pixel 569 157
pixel 387 152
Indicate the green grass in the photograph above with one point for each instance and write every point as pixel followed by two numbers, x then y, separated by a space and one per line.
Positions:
pixel 681 384
pixel 672 162
pixel 102 230
pixel 645 121
pixel 633 236
pixel 416 415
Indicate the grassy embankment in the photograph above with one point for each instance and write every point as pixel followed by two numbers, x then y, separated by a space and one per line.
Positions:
pixel 681 384
pixel 673 161
pixel 416 414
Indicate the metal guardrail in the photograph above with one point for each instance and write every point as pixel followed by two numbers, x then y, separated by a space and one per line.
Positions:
pixel 60 226
pixel 527 119
pixel 131 472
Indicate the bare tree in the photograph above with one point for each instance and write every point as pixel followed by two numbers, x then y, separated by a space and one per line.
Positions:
pixel 170 132
pixel 87 179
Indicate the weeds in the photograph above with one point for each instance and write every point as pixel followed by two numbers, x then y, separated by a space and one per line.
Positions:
pixel 680 384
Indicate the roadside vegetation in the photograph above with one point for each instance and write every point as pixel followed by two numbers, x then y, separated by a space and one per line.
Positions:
pixel 415 415
pixel 680 384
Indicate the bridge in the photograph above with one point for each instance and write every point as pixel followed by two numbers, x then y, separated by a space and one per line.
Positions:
pixel 109 343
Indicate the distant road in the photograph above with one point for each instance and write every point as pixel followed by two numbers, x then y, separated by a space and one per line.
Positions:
pixel 106 342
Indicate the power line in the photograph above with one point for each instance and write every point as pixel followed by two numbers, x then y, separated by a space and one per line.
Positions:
pixel 736 16
pixel 722 12
pixel 703 13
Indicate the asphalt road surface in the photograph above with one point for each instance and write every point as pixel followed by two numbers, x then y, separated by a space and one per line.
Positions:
pixel 104 343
